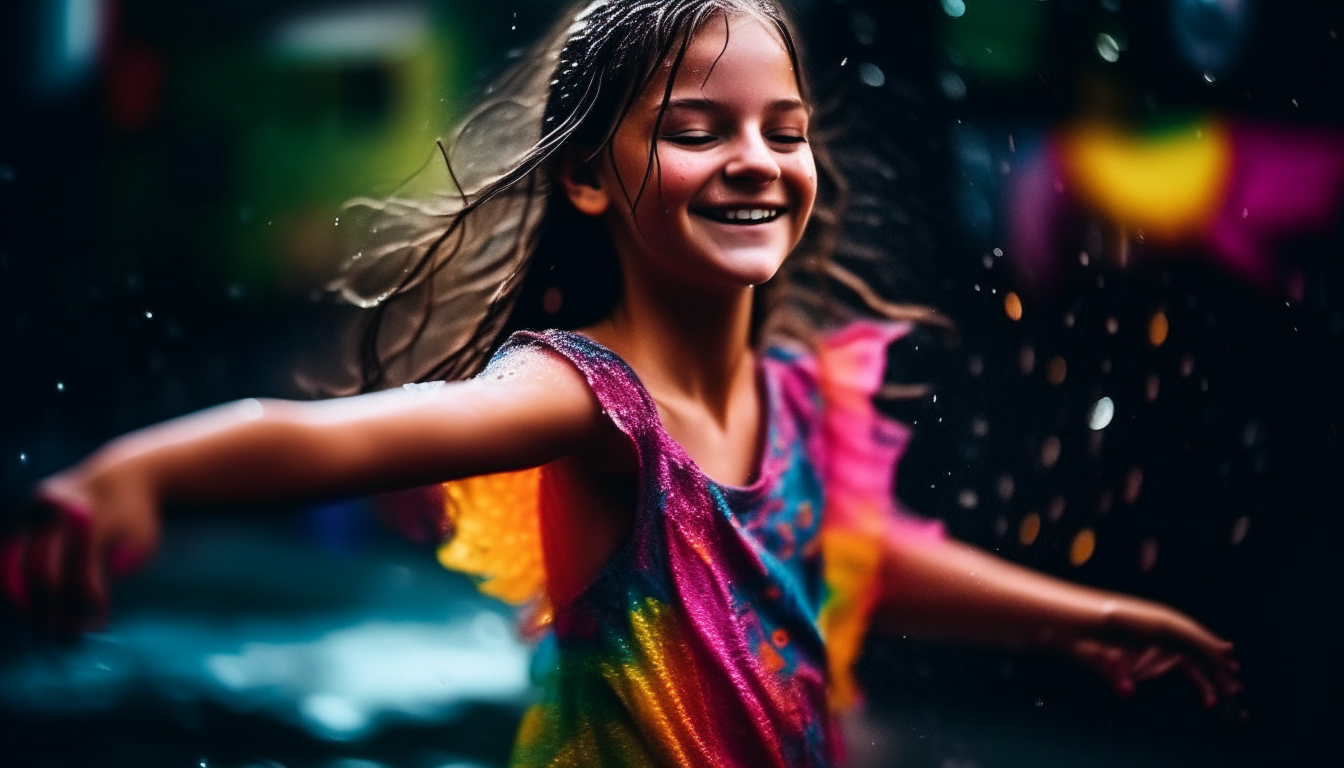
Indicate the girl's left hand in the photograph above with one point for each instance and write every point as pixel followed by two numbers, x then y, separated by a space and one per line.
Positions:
pixel 1140 640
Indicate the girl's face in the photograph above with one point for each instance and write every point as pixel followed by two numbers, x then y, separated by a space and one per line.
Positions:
pixel 734 180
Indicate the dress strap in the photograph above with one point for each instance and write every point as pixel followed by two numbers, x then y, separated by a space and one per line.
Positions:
pixel 615 385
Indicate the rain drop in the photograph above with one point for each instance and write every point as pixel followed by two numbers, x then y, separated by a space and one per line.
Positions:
pixel 1109 50
pixel 1148 555
pixel 1209 77
pixel 871 75
pixel 1133 484
pixel 23 458
pixel 1056 510
pixel 954 8
pixel 1029 529
pixel 60 386
pixel 1026 360
pixel 968 499
pixel 149 315
pixel 1056 370
pixel 1084 544
pixel 1239 528
pixel 1102 413
pixel 1158 327
pixel 952 85
pixel 1051 448
pixel 1152 387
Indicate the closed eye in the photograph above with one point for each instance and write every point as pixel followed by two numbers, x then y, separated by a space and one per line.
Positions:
pixel 690 139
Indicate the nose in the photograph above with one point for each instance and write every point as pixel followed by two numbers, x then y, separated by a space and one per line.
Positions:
pixel 752 161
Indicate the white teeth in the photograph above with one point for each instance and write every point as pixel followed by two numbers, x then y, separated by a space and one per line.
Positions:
pixel 750 214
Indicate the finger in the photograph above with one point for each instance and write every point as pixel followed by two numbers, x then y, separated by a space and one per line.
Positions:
pixel 1109 662
pixel 11 572
pixel 1145 661
pixel 1161 664
pixel 1208 694
pixel 87 593
pixel 43 573
pixel 1191 634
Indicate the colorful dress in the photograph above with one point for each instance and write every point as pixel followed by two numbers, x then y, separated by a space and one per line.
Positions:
pixel 722 630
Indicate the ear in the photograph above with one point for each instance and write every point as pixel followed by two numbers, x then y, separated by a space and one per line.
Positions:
pixel 582 184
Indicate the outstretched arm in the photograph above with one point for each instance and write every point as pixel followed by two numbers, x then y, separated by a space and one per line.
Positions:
pixel 945 589
pixel 104 511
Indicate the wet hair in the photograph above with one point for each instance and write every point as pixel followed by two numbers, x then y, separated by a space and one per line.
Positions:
pixel 478 246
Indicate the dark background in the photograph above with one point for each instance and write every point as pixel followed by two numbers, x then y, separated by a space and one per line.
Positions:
pixel 170 182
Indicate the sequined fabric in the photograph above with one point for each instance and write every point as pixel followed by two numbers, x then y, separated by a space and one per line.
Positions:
pixel 705 639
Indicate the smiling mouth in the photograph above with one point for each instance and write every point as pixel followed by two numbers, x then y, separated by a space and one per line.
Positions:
pixel 747 216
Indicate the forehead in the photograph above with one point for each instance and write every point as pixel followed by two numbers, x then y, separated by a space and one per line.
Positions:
pixel 735 53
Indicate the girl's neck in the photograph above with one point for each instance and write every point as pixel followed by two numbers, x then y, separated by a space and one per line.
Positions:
pixel 685 345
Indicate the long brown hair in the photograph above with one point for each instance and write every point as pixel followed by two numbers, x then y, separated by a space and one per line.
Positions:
pixel 477 246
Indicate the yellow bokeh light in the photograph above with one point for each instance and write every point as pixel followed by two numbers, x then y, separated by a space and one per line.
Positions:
pixel 1029 529
pixel 1012 306
pixel 1170 185
pixel 1084 544
pixel 1158 327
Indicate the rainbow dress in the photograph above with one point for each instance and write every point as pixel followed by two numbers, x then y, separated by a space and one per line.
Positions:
pixel 722 631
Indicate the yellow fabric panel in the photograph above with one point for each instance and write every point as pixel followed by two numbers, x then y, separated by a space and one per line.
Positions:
pixel 852 562
pixel 496 521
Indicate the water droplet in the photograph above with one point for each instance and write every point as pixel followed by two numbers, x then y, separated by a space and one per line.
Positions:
pixel 1005 487
pixel 1026 360
pixel 23 458
pixel 1239 528
pixel 998 252
pixel 1112 325
pixel 1148 555
pixel 1152 387
pixel 1083 545
pixel 1012 306
pixel 968 499
pixel 872 75
pixel 1158 327
pixel 844 61
pixel 1051 448
pixel 1107 48
pixel 976 365
pixel 1101 414
pixel 1187 365
pixel 60 386
pixel 1209 77
pixel 952 86
pixel 1133 484
pixel 1056 370
pixel 1083 258
pixel 954 8
pixel 149 315
pixel 979 426
pixel 1029 529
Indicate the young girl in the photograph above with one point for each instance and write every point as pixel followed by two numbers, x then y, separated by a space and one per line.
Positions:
pixel 692 486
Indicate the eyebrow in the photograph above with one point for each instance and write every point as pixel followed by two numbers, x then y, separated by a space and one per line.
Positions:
pixel 711 105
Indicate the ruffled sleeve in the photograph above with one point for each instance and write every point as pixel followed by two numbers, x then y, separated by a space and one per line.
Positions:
pixel 861 450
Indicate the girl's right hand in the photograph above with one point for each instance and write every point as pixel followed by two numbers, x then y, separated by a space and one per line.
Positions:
pixel 84 525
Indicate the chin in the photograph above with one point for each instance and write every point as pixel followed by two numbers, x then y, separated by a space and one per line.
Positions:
pixel 751 267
